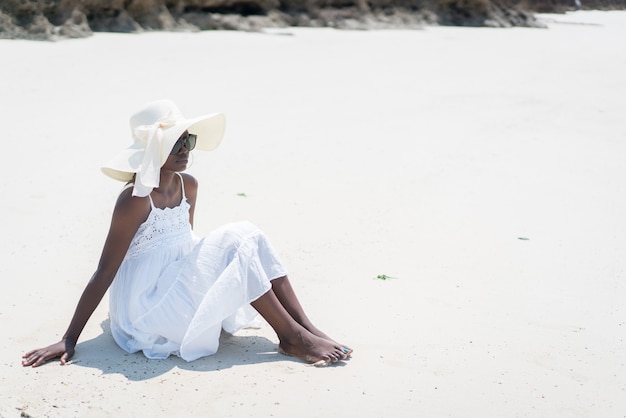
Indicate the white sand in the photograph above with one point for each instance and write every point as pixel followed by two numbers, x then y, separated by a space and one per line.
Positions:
pixel 424 155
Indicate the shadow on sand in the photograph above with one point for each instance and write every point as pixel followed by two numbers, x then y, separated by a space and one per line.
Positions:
pixel 103 353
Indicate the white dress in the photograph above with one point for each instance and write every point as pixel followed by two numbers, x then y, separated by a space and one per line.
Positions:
pixel 174 292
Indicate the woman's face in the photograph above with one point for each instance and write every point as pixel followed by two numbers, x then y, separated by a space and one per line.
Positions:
pixel 178 161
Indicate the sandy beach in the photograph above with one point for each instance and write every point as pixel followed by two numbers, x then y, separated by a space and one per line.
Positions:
pixel 482 169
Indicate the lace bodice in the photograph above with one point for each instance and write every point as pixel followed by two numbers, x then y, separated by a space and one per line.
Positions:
pixel 164 228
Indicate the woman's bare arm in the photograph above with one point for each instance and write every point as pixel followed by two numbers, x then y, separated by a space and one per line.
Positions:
pixel 129 213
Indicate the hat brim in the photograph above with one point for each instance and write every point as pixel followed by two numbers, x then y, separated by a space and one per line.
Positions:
pixel 208 128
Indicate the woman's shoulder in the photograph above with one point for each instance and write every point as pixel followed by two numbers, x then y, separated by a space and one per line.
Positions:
pixel 190 182
pixel 188 177
pixel 127 203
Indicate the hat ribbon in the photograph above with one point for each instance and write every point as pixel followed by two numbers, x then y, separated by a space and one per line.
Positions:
pixel 151 136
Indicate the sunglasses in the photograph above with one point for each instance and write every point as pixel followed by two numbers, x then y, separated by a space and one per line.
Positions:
pixel 188 141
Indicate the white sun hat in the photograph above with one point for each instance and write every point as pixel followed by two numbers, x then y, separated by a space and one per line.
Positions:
pixel 155 129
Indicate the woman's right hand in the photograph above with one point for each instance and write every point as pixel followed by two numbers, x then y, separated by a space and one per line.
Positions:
pixel 63 349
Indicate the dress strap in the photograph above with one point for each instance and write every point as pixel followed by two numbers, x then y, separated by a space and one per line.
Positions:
pixel 151 202
pixel 149 196
pixel 182 185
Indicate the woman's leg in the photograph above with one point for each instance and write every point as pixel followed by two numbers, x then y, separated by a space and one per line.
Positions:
pixel 287 296
pixel 294 339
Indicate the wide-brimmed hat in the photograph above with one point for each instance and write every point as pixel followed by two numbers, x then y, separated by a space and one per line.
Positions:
pixel 155 128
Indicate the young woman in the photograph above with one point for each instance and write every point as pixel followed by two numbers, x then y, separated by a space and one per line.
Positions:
pixel 171 292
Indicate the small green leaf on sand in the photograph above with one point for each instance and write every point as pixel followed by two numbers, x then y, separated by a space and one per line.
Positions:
pixel 242 194
pixel 384 277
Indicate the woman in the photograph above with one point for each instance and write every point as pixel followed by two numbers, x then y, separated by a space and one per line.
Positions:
pixel 172 293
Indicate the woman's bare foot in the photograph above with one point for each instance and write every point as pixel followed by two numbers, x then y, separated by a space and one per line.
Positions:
pixel 287 296
pixel 281 309
pixel 316 331
pixel 314 349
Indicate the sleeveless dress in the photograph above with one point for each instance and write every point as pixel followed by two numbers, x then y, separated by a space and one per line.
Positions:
pixel 174 292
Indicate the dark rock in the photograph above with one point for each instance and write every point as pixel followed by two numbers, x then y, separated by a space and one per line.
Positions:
pixel 60 19
pixel 8 28
pixel 76 26
pixel 39 27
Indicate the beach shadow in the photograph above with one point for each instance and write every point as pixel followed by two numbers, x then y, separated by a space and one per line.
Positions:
pixel 104 354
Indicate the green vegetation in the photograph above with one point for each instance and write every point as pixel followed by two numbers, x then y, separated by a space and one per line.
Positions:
pixel 384 277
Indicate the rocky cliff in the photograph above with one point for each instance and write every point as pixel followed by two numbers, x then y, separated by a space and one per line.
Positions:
pixel 59 19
